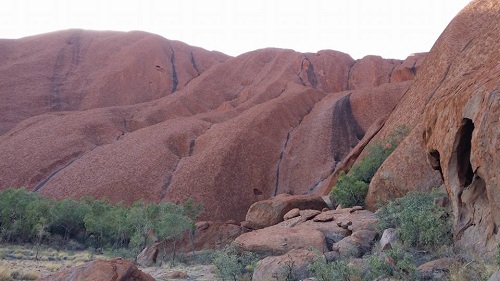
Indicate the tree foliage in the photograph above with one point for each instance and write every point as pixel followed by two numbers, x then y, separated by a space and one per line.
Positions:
pixel 28 217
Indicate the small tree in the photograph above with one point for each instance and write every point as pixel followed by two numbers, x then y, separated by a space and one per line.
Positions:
pixel 172 226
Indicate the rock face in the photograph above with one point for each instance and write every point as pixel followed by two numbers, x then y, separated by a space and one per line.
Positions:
pixel 132 116
pixel 78 69
pixel 294 263
pixel 100 270
pixel 272 211
pixel 350 231
pixel 453 110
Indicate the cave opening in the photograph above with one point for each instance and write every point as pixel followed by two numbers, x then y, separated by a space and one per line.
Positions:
pixel 463 150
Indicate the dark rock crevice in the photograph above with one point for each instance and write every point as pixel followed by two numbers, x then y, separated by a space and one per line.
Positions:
pixel 445 75
pixel 175 80
pixel 193 62
pixel 348 84
pixel 279 165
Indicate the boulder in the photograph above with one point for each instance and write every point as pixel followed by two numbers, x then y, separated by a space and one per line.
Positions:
pixel 292 214
pixel 292 264
pixel 309 214
pixel 101 270
pixel 389 237
pixel 149 255
pixel 270 212
pixel 355 245
pixel 436 269
pixel 280 240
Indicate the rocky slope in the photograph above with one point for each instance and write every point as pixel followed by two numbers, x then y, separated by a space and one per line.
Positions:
pixel 453 110
pixel 132 115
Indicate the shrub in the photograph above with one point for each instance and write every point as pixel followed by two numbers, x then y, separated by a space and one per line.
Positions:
pixel 419 222
pixel 350 189
pixel 402 269
pixel 232 265
pixel 326 271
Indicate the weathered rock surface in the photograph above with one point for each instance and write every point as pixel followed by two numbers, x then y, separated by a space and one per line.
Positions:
pixel 132 116
pixel 294 263
pixel 272 211
pixel 101 270
pixel 280 240
pixel 388 239
pixel 79 69
pixel 352 232
pixel 453 110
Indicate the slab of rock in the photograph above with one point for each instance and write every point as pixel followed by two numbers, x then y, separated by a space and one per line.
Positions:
pixel 270 212
pixel 280 240
pixel 295 263
pixel 309 214
pixel 149 255
pixel 101 270
pixel 324 217
pixel 292 214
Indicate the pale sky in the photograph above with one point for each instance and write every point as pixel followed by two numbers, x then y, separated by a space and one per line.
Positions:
pixel 390 28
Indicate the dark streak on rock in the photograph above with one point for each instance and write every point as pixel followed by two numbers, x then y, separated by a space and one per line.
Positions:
pixel 349 77
pixel 276 184
pixel 438 86
pixel 47 179
pixel 175 80
pixel 193 62
pixel 346 132
pixel 59 71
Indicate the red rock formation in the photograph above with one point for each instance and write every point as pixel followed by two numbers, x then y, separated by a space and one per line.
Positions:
pixel 235 131
pixel 78 69
pixel 101 270
pixel 453 110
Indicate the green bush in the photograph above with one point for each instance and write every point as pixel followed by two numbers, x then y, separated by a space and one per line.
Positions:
pixel 326 271
pixel 402 269
pixel 28 217
pixel 351 189
pixel 232 265
pixel 418 221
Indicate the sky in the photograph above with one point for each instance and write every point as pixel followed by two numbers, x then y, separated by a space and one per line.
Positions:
pixel 389 28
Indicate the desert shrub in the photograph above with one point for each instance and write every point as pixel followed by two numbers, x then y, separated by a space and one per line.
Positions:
pixel 403 268
pixel 24 275
pixel 326 271
pixel 232 265
pixel 351 189
pixel 5 274
pixel 419 222
pixel 474 270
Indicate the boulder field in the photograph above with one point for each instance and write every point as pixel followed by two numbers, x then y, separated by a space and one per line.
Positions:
pixel 132 116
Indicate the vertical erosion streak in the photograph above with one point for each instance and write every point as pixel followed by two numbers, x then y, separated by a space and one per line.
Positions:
pixel 195 66
pixel 276 184
pixel 59 75
pixel 175 80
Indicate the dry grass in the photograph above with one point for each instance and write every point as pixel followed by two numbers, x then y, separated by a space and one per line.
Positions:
pixel 19 261
pixel 475 270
